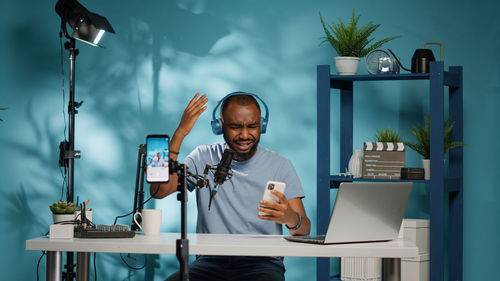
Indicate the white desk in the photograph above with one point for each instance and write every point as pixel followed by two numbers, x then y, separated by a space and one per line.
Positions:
pixel 220 244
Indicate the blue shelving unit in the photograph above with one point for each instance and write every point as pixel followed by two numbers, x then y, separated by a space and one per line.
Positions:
pixel 439 185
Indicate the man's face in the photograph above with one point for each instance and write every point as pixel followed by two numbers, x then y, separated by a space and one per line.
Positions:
pixel 242 129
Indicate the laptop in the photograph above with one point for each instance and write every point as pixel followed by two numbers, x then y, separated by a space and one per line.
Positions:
pixel 364 212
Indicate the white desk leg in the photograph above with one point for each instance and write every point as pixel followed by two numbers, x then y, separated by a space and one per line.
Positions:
pixel 82 266
pixel 54 266
pixel 391 270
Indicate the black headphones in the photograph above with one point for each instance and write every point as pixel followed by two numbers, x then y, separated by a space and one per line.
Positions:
pixel 217 122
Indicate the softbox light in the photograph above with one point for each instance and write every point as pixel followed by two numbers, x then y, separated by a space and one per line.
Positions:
pixel 87 27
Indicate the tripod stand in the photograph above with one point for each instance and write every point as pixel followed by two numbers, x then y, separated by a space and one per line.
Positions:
pixel 182 244
pixel 139 186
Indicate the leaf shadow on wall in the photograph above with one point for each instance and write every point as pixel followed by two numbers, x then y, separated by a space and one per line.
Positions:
pixel 158 31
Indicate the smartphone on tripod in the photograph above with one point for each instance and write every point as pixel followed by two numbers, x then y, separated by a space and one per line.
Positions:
pixel 157 158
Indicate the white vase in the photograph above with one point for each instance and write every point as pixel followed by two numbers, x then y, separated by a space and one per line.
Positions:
pixel 346 65
pixel 356 164
pixel 426 164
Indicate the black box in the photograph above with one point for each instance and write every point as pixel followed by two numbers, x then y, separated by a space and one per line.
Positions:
pixel 412 173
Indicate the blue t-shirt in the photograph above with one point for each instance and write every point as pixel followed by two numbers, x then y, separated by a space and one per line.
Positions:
pixel 234 207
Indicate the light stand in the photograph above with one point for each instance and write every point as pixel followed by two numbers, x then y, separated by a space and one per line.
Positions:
pixel 67 148
pixel 87 27
pixel 68 153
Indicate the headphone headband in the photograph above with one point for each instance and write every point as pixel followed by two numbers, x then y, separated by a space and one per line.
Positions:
pixel 217 122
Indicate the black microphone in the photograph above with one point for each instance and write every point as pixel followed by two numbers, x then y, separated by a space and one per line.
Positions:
pixel 221 173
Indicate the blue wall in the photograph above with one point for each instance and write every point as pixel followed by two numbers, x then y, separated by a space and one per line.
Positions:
pixel 165 51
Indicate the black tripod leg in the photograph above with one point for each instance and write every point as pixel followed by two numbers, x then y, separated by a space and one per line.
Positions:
pixel 182 253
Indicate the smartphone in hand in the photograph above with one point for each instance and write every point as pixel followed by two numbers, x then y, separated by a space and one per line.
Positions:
pixel 268 196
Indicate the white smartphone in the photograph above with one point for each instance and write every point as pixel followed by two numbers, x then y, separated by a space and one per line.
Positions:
pixel 268 196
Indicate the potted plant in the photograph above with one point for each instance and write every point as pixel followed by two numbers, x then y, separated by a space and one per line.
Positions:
pixel 388 135
pixel 423 144
pixel 351 42
pixel 63 211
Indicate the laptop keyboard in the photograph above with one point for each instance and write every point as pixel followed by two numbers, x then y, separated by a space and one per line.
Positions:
pixel 318 239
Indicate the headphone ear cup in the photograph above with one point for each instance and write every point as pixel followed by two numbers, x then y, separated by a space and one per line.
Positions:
pixel 263 125
pixel 217 126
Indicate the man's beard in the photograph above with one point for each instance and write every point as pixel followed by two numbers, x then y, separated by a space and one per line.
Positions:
pixel 242 156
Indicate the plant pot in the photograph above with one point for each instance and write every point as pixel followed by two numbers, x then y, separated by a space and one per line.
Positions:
pixel 63 217
pixel 426 164
pixel 346 65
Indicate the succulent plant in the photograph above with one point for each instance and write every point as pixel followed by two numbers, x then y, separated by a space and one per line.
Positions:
pixel 63 207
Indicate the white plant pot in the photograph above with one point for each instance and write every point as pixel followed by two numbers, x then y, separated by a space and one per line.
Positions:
pixel 63 217
pixel 426 164
pixel 347 65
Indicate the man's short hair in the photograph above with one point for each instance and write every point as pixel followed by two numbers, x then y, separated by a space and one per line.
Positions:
pixel 242 99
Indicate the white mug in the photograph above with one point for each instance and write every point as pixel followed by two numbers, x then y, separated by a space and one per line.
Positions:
pixel 151 221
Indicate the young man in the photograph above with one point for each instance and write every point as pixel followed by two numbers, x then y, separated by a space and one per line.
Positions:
pixel 235 207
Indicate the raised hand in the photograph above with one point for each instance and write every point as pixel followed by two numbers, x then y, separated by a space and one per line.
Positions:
pixel 193 110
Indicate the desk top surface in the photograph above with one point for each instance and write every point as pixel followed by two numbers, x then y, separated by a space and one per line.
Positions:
pixel 225 244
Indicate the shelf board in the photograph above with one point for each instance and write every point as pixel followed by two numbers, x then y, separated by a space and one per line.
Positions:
pixel 381 77
pixel 335 180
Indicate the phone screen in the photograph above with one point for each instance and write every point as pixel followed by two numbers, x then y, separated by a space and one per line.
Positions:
pixel 157 155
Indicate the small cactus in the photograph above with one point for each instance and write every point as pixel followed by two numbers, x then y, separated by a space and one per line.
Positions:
pixel 62 207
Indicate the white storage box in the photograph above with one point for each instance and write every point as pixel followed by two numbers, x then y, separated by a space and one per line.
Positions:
pixel 415 269
pixel 361 269
pixel 416 230
pixel 61 231
pixel 412 269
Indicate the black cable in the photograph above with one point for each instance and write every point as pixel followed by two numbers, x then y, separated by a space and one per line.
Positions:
pixel 38 264
pixel 64 175
pixel 62 75
pixel 64 222
pixel 95 268
pixel 131 267
pixel 130 213
pixel 198 177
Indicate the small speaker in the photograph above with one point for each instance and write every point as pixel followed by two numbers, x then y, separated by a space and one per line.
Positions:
pixel 412 173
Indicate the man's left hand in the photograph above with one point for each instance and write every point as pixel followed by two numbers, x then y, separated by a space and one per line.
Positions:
pixel 279 212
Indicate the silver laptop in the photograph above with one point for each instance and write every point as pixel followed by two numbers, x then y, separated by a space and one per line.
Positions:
pixel 364 212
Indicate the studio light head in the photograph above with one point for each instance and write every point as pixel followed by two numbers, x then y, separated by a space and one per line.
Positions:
pixel 87 27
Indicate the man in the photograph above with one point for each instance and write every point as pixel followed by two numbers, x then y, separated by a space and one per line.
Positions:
pixel 236 205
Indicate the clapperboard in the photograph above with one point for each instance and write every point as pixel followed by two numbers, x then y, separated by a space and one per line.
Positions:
pixel 383 160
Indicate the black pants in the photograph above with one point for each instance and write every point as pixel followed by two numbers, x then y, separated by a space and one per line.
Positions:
pixel 220 268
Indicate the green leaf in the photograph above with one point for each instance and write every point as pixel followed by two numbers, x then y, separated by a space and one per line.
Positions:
pixel 388 135
pixel 62 207
pixel 349 40
pixel 422 134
